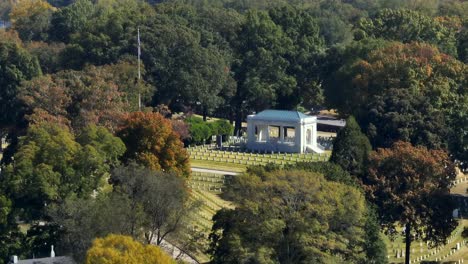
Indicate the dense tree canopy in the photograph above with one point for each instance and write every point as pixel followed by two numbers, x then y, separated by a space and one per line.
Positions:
pixel 16 65
pixel 31 18
pixel 408 26
pixel 96 95
pixel 410 92
pixel 51 165
pixel 293 217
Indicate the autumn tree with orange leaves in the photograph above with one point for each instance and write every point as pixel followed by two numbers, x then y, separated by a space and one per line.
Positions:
pixel 152 142
pixel 411 186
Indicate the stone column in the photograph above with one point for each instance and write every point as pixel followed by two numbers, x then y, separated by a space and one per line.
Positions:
pixel 250 131
pixel 281 134
pixel 314 135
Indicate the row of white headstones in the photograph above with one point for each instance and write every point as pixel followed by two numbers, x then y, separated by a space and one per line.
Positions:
pixel 401 253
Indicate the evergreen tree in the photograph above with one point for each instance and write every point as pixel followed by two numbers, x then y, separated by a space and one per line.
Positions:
pixel 351 148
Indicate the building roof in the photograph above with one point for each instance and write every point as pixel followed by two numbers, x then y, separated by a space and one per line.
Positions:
pixel 56 260
pixel 280 115
pixel 331 122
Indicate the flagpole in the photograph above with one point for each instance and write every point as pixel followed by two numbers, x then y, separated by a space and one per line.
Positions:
pixel 139 73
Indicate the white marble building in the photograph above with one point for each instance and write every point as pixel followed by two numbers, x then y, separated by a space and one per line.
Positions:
pixel 282 131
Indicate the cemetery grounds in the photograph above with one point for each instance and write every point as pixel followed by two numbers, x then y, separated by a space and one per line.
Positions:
pixel 208 186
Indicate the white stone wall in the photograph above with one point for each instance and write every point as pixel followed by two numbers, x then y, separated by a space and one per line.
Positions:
pixel 266 145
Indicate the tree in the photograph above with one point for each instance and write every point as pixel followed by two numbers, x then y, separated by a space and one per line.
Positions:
pixel 221 127
pixel 16 65
pixel 5 9
pixel 462 44
pixel 51 165
pixel 408 26
pixel 93 96
pixel 302 29
pixel 411 187
pixel 48 54
pixel 201 74
pixel 81 220
pixel 261 73
pixel 70 19
pixel 374 245
pixel 407 92
pixel 163 198
pixel 123 249
pixel 351 148
pixel 108 32
pixel 152 142
pixel 31 19
pixel 331 171
pixel 293 217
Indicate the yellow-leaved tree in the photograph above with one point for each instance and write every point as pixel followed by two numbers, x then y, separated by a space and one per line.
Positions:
pixel 118 249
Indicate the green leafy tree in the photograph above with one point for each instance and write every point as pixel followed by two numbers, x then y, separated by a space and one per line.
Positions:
pixel 48 55
pixel 374 246
pixel 108 33
pixel 16 65
pixel 5 9
pixel 308 48
pixel 462 43
pixel 71 19
pixel 201 75
pixel 411 187
pixel 261 73
pixel 408 26
pixel 50 165
pixel 331 171
pixel 351 148
pixel 221 127
pixel 293 217
pixel 31 18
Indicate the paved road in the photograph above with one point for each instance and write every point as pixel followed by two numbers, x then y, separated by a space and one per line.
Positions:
pixel 215 171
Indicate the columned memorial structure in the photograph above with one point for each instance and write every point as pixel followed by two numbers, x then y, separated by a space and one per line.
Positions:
pixel 282 131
